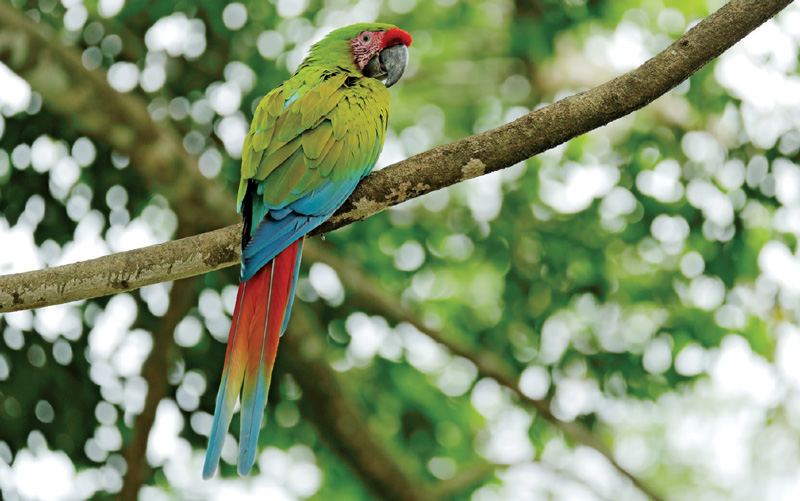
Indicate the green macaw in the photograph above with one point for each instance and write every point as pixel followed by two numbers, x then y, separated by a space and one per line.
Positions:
pixel 312 139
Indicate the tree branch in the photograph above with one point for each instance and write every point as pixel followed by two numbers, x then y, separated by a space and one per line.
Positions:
pixel 122 271
pixel 559 122
pixel 429 171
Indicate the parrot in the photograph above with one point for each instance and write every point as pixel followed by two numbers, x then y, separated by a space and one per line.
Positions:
pixel 312 139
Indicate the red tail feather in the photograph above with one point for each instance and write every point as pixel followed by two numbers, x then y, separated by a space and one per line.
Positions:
pixel 261 306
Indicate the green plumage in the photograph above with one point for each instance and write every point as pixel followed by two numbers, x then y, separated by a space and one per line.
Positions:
pixel 333 128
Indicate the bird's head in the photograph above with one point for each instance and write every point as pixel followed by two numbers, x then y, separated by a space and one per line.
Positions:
pixel 377 50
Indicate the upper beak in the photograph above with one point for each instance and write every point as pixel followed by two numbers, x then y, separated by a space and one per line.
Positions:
pixel 390 64
pixel 395 60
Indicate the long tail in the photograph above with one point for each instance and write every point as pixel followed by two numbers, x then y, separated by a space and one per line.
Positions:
pixel 259 319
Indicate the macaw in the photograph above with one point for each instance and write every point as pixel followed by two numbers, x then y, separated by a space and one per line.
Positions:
pixel 312 139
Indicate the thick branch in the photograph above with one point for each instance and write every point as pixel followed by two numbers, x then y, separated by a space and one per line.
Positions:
pixel 121 271
pixel 557 123
pixel 432 170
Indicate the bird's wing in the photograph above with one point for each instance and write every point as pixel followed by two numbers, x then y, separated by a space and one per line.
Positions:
pixel 306 150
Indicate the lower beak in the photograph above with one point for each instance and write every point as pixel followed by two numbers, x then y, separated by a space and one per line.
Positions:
pixel 389 65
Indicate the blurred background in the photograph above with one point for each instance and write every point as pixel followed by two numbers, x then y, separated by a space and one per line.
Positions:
pixel 615 316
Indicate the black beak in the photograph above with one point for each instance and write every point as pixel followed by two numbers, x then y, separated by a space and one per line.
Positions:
pixel 389 65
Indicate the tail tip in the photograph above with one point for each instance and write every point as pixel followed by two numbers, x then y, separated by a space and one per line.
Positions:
pixel 245 467
pixel 209 470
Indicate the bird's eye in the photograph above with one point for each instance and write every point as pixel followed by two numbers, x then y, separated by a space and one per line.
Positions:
pixel 365 38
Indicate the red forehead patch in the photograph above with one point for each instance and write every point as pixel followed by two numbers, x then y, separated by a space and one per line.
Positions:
pixel 395 36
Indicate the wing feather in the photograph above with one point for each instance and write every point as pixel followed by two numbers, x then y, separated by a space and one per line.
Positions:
pixel 347 162
pixel 305 135
pixel 262 139
pixel 284 179
pixel 331 158
pixel 313 163
pixel 276 100
pixel 309 180
pixel 311 102
pixel 276 158
pixel 293 120
pixel 314 140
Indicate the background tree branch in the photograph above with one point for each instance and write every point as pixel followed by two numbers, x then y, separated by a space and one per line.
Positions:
pixel 429 171
pixel 121 120
pixel 182 298
pixel 343 429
